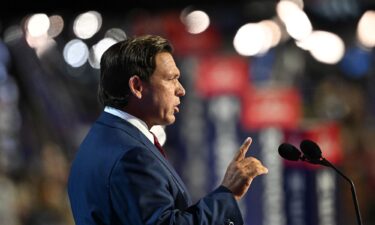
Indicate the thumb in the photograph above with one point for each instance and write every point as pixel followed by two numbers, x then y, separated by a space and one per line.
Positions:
pixel 243 149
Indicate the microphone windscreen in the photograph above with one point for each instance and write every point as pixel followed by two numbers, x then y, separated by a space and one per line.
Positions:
pixel 310 150
pixel 289 152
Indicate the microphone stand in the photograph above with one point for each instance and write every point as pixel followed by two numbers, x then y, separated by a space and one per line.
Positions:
pixel 314 159
pixel 325 162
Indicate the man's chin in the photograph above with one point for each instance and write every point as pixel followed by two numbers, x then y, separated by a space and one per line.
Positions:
pixel 170 120
pixel 166 121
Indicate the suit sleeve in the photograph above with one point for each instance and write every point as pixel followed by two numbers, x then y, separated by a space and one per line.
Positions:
pixel 142 194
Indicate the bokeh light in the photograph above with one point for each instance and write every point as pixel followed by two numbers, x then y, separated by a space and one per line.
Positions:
pixel 325 47
pixel 296 21
pixel 196 21
pixel 366 29
pixel 75 53
pixel 56 25
pixel 97 51
pixel 253 39
pixel 115 33
pixel 37 25
pixel 274 30
pixel 87 24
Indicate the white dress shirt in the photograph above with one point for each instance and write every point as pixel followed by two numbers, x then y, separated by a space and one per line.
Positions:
pixel 138 123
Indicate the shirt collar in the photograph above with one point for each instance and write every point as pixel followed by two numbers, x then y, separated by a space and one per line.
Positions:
pixel 138 123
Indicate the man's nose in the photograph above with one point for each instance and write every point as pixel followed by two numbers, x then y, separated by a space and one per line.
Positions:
pixel 180 90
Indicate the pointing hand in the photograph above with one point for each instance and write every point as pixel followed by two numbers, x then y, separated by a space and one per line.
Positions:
pixel 242 170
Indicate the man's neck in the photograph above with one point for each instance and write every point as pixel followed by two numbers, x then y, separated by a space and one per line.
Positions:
pixel 134 111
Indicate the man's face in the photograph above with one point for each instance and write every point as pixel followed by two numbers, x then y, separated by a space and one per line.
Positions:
pixel 163 92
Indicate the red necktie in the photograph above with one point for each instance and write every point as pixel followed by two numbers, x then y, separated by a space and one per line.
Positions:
pixel 158 146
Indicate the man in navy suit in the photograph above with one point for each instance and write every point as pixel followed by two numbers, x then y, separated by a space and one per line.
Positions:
pixel 119 176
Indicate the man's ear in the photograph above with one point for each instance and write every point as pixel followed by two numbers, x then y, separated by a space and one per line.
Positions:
pixel 136 86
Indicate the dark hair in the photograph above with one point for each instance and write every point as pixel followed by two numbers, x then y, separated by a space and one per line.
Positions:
pixel 133 56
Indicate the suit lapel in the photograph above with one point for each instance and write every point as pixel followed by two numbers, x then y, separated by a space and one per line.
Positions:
pixel 164 161
pixel 114 121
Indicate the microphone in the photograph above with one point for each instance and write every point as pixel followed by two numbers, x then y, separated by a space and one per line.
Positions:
pixel 311 149
pixel 313 154
pixel 289 152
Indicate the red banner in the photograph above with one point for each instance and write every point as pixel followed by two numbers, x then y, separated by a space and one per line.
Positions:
pixel 327 136
pixel 271 107
pixel 222 75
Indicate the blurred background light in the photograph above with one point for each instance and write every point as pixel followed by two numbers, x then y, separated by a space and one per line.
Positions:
pixel 274 31
pixel 285 8
pixel 45 45
pixel 37 25
pixel 196 21
pixel 325 47
pixel 295 19
pixel 299 3
pixel 298 25
pixel 56 25
pixel 97 51
pixel 38 29
pixel 366 29
pixel 87 24
pixel 116 34
pixel 75 53
pixel 252 39
pixel 36 41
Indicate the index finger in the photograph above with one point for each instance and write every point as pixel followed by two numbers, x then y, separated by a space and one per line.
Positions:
pixel 243 149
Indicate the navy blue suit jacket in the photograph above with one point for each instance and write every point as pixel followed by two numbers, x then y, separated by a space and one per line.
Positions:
pixel 119 177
